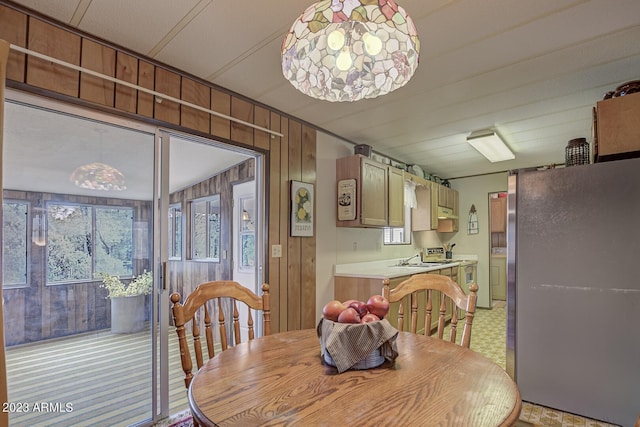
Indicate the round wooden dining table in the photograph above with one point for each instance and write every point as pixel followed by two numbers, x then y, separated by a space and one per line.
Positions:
pixel 281 379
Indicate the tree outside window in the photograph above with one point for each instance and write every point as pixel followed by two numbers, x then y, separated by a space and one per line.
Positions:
pixel 83 240
pixel 205 228
pixel 15 238
pixel 175 232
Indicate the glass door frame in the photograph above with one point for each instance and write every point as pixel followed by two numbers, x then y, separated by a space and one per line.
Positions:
pixel 159 354
pixel 160 306
pixel 160 335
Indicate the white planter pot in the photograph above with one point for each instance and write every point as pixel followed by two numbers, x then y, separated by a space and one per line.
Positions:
pixel 127 314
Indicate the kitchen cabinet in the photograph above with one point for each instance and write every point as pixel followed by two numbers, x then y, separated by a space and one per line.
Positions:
pixel 424 216
pixel 498 277
pixel 499 215
pixel 453 273
pixel 448 198
pixel 392 316
pixel 396 197
pixel 429 196
pixel 379 198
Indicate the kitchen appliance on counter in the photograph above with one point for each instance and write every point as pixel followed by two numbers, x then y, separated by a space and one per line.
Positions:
pixel 432 254
pixel 572 288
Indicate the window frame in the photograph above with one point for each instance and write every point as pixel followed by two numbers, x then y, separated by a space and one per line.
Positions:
pixel 192 228
pixel 405 230
pixel 176 240
pixel 93 274
pixel 28 218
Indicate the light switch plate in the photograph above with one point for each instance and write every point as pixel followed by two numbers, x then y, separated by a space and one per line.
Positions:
pixel 276 251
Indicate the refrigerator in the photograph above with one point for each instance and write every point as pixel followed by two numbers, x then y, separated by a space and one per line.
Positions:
pixel 573 288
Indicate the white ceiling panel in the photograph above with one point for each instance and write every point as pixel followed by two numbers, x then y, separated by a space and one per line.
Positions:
pixel 534 69
pixel 62 10
pixel 138 25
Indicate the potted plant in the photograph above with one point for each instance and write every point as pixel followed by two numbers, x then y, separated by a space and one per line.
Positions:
pixel 127 301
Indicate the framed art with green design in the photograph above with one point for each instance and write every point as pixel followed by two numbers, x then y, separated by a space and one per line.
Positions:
pixel 302 210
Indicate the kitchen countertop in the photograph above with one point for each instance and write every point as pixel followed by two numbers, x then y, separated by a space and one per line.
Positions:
pixel 388 269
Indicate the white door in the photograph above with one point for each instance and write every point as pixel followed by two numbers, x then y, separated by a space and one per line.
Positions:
pixel 244 245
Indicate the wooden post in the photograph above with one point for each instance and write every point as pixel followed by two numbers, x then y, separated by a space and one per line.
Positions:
pixel 4 57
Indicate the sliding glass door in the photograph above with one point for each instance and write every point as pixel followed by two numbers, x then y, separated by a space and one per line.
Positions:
pixel 103 218
pixel 80 276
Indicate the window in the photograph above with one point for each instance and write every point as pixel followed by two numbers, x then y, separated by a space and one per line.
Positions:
pixel 84 240
pixel 205 229
pixel 175 232
pixel 14 251
pixel 399 235
pixel 247 233
pixel 114 241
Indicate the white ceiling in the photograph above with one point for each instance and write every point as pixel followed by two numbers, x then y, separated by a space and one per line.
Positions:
pixel 533 69
pixel 41 149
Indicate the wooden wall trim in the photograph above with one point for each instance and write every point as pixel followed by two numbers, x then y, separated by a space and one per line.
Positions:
pixel 292 286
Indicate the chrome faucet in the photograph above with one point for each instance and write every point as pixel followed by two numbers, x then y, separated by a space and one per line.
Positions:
pixel 406 261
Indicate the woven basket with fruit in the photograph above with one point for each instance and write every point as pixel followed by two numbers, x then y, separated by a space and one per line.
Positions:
pixel 355 335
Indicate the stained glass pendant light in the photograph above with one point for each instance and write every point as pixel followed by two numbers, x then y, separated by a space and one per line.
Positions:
pixel 347 50
pixel 98 176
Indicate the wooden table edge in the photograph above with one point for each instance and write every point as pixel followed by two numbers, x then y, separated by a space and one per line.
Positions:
pixel 204 421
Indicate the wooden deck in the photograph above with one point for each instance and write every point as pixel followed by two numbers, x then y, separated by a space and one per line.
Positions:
pixel 105 377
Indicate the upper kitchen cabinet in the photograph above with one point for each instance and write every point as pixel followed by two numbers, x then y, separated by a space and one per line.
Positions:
pixel 434 202
pixel 396 197
pixel 370 194
pixel 447 209
pixel 424 216
pixel 447 197
pixel 499 215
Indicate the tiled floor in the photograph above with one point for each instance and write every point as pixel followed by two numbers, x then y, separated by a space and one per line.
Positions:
pixel 541 416
pixel 489 338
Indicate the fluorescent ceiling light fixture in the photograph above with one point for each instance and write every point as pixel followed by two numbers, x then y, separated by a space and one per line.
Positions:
pixel 347 50
pixel 490 145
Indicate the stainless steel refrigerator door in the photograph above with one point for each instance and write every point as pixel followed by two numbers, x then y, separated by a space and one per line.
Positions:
pixel 577 289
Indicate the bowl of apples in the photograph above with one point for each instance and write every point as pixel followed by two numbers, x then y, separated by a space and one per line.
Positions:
pixel 355 334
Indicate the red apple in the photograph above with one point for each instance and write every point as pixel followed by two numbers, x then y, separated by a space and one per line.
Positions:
pixel 378 305
pixel 332 310
pixel 369 317
pixel 360 307
pixel 349 301
pixel 349 315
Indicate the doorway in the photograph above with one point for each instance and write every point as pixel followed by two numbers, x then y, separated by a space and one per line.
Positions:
pixel 86 185
pixel 498 247
pixel 244 245
pixel 128 219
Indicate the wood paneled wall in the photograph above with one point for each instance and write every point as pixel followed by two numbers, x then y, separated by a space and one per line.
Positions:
pixel 292 277
pixel 40 311
pixel 185 274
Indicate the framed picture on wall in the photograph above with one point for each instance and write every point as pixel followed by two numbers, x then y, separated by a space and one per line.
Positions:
pixel 301 209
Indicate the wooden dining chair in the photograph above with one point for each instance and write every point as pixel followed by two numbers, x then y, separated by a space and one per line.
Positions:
pixel 197 310
pixel 436 291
